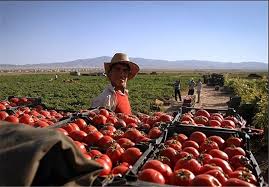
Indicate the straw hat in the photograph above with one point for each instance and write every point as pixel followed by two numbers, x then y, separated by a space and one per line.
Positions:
pixel 122 58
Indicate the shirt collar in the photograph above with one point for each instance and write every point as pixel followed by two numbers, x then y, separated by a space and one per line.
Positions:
pixel 112 89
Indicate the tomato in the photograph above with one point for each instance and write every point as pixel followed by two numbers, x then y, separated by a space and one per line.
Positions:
pixel 132 134
pixel 205 180
pixel 117 134
pixel 131 155
pixel 89 129
pixel 218 175
pixel 3 115
pixel 198 137
pixel 187 118
pixel 214 123
pixel 115 152
pixel 170 153
pixel 112 119
pixel 106 168
pixel 204 158
pixel 208 167
pixel 234 141
pixel 217 118
pixel 2 107
pixel 192 151
pixel 181 138
pixel 190 143
pixel 217 115
pixel 42 124
pixel 103 112
pixel 93 137
pixel 151 175
pixel 12 119
pixel 109 127
pixel 188 163
pixel 242 168
pixel 232 151
pixel 99 119
pixel 165 118
pixel 227 123
pixel 71 127
pixel 155 132
pixel 220 141
pixel 87 156
pixel 120 124
pixel 239 161
pixel 201 120
pixel 182 177
pixel 216 153
pixel 237 182
pixel 94 153
pixel 223 164
pixel 81 123
pixel 207 146
pixel 80 146
pixel 246 176
pixel 78 135
pixel 105 141
pixel 234 119
pixel 120 169
pixel 202 112
pixel 174 144
pixel 62 130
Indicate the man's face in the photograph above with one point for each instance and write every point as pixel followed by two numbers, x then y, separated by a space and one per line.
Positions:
pixel 119 75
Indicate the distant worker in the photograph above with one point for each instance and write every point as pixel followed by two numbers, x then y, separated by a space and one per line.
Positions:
pixel 191 87
pixel 56 77
pixel 199 89
pixel 177 89
pixel 115 97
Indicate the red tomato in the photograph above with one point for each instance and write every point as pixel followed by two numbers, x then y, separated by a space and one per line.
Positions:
pixel 234 141
pixel 99 120
pixel 132 134
pixel 190 143
pixel 208 167
pixel 239 161
pixel 245 176
pixel 43 124
pixel 106 168
pixel 192 151
pixel 3 115
pixel 120 169
pixel 81 123
pixel 62 130
pixel 158 166
pixel 201 120
pixel 216 153
pixel 89 129
pixel 227 124
pixel 131 155
pixel 220 141
pixel 181 138
pixel 202 112
pixel 105 141
pixel 174 144
pixel 187 118
pixel 151 175
pixel 117 134
pixel 71 127
pixel 112 119
pixel 80 146
pixel 165 118
pixel 232 151
pixel 103 112
pixel 237 182
pixel 171 154
pixel 217 118
pixel 217 115
pixel 188 163
pixel 2 107
pixel 223 164
pixel 12 119
pixel 214 123
pixel 205 180
pixel 78 135
pixel 94 153
pixel 182 177
pixel 207 146
pixel 115 152
pixel 198 137
pixel 93 137
pixel 242 168
pixel 204 158
pixel 155 132
pixel 218 175
pixel 120 124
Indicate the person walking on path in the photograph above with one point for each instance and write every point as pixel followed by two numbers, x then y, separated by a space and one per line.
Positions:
pixel 199 89
pixel 191 87
pixel 177 89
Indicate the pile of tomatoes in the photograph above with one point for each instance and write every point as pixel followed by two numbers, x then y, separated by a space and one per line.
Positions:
pixel 203 118
pixel 112 139
pixel 35 117
pixel 16 101
pixel 199 160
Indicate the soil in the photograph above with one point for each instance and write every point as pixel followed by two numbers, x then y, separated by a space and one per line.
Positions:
pixel 217 99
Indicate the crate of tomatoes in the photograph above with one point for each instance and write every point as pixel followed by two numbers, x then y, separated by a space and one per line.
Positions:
pixel 199 156
pixel 114 140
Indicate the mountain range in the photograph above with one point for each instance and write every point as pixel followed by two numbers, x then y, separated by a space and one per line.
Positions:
pixel 97 63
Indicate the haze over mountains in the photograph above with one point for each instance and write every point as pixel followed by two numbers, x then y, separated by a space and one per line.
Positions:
pixel 97 63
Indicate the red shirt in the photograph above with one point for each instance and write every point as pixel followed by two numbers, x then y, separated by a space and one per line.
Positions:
pixel 123 104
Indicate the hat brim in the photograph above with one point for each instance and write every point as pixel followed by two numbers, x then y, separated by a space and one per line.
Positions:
pixel 134 68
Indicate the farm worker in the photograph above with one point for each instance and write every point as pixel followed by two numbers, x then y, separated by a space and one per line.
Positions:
pixel 177 89
pixel 115 95
pixel 191 87
pixel 199 89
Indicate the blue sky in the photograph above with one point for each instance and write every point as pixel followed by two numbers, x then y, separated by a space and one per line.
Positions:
pixel 58 31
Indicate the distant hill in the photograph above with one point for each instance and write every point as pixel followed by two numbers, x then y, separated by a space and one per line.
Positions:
pixel 145 64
